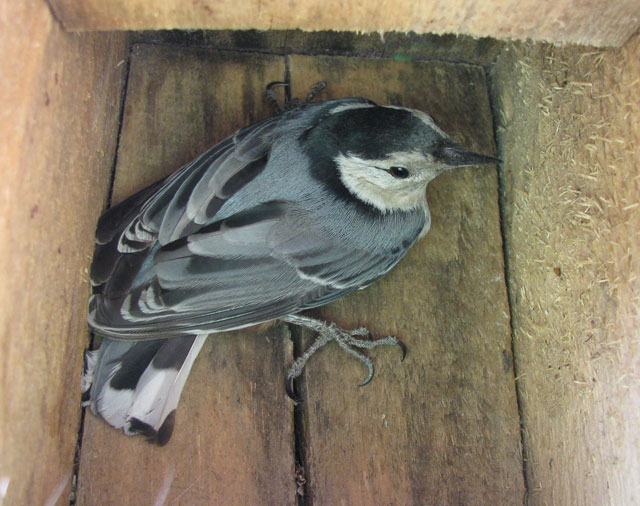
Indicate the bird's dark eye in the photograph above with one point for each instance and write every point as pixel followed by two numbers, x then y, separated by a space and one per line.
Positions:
pixel 399 172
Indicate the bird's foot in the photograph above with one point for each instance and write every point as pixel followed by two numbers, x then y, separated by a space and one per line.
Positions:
pixel 346 339
pixel 315 91
pixel 291 103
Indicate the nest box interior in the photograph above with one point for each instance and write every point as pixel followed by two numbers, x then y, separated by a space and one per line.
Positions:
pixel 519 308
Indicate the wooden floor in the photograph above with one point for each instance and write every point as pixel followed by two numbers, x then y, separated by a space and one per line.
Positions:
pixel 440 428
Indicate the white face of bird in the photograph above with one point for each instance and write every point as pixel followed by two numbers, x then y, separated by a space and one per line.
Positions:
pixel 398 181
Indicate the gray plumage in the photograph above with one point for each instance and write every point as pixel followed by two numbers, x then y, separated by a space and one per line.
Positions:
pixel 279 218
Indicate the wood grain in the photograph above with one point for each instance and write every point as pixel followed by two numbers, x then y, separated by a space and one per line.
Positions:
pixel 572 217
pixel 395 45
pixel 60 97
pixel 441 427
pixel 594 23
pixel 233 440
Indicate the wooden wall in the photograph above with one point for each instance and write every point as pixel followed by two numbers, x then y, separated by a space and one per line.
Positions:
pixel 60 96
pixel 568 123
pixel 599 23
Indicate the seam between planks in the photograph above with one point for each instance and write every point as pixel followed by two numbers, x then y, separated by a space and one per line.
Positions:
pixel 299 436
pixel 75 480
pixel 295 334
pixel 123 98
pixel 507 278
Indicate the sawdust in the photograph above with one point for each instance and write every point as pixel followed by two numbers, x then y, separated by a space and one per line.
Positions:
pixel 568 130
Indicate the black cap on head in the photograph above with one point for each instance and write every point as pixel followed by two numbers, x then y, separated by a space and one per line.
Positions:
pixel 375 132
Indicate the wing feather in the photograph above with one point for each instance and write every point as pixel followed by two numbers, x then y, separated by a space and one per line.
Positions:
pixel 261 264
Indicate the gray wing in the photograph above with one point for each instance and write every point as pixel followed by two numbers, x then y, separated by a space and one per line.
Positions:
pixel 130 232
pixel 264 263
pixel 182 203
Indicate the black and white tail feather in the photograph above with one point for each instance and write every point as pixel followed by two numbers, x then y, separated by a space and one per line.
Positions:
pixel 136 386
pixel 259 227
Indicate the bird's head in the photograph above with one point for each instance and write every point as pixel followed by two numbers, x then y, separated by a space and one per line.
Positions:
pixel 386 156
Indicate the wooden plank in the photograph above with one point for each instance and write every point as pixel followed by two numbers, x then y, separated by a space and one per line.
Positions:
pixel 572 182
pixel 442 427
pixel 399 46
pixel 594 23
pixel 60 97
pixel 233 440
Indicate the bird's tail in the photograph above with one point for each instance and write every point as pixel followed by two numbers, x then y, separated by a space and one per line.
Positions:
pixel 136 386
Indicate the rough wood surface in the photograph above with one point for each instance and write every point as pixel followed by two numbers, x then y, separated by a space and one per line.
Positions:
pixel 441 427
pixel 60 97
pixel 570 132
pixel 233 440
pixel 395 45
pixel 598 23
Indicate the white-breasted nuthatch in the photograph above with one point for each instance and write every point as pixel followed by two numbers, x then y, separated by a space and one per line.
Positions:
pixel 288 214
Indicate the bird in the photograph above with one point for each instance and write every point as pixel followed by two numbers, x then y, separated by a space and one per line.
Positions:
pixel 287 214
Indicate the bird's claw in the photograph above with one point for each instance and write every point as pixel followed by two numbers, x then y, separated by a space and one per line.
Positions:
pixel 369 365
pixel 403 348
pixel 291 103
pixel 315 90
pixel 347 340
pixel 271 95
pixel 289 387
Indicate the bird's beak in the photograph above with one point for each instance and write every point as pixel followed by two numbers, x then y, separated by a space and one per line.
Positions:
pixel 453 155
